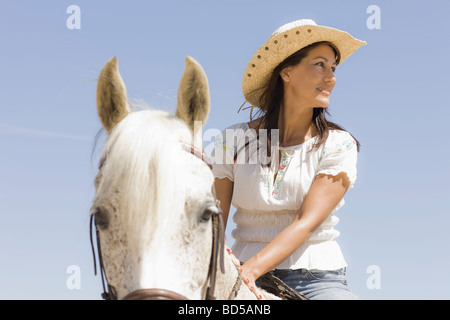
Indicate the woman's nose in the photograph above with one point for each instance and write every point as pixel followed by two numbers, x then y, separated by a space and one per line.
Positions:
pixel 329 76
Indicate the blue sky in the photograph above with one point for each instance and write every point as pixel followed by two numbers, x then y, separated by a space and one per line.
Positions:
pixel 392 95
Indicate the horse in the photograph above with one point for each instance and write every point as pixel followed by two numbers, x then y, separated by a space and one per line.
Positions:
pixel 158 224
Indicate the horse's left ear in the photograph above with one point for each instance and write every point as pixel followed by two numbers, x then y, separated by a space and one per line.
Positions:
pixel 193 95
pixel 112 104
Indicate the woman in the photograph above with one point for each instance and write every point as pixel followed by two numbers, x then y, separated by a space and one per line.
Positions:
pixel 285 206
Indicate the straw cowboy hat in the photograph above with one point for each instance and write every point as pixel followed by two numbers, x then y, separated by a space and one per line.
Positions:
pixel 285 41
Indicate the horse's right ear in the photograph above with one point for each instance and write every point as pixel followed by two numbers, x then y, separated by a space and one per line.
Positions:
pixel 112 105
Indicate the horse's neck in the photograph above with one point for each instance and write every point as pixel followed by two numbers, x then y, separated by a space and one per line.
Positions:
pixel 230 286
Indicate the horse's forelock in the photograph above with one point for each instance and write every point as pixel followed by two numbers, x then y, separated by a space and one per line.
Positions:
pixel 139 157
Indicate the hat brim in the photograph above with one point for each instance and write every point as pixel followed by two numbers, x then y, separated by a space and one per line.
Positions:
pixel 280 46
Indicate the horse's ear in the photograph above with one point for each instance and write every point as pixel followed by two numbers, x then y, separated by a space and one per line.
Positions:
pixel 193 95
pixel 112 105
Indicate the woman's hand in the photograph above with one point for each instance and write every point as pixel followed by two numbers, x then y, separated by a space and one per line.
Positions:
pixel 249 277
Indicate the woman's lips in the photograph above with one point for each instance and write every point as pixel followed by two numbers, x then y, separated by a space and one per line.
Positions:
pixel 324 91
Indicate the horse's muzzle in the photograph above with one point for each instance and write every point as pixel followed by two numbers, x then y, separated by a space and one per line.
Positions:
pixel 154 294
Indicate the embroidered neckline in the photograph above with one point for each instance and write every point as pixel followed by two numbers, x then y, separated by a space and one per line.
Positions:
pixel 285 157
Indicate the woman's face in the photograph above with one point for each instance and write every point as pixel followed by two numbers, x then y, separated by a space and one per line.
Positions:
pixel 311 82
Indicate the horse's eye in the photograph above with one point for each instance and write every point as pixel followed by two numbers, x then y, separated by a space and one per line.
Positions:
pixel 102 218
pixel 208 213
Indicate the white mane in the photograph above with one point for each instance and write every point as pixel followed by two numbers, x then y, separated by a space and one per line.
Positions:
pixel 146 139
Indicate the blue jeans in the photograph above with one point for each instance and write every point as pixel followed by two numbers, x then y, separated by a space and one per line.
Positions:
pixel 317 284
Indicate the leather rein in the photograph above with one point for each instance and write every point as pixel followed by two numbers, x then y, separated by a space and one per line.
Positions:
pixel 217 254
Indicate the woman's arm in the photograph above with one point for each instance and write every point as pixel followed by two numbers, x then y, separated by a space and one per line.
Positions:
pixel 224 193
pixel 325 193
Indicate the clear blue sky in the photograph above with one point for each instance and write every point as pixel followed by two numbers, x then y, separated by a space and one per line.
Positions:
pixel 392 95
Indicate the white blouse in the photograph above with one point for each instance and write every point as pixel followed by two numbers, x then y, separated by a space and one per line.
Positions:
pixel 266 205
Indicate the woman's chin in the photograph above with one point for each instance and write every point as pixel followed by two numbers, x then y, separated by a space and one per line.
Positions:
pixel 322 105
pixel 322 102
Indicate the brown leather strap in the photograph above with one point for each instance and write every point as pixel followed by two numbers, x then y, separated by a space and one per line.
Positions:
pixel 216 254
pixel 154 294
pixel 111 293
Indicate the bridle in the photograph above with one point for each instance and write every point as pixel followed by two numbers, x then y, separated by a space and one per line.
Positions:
pixel 217 254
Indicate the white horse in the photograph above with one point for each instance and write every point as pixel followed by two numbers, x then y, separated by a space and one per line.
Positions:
pixel 154 200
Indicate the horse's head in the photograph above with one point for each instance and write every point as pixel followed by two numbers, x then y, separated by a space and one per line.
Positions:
pixel 154 201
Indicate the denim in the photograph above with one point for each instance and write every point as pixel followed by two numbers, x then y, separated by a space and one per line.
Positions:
pixel 317 284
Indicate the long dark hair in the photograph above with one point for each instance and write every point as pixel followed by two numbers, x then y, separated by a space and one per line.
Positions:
pixel 271 100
